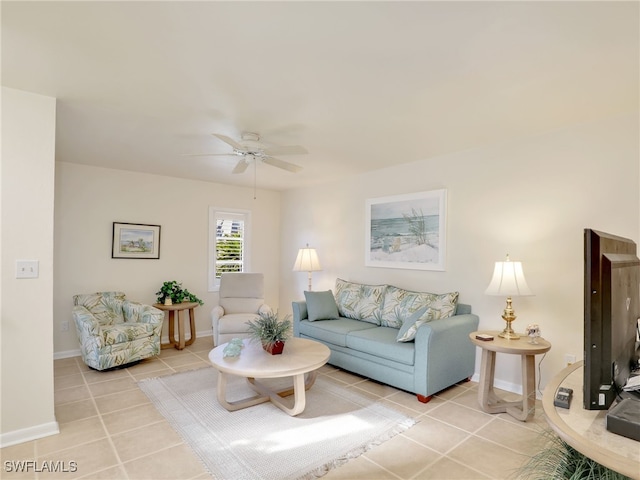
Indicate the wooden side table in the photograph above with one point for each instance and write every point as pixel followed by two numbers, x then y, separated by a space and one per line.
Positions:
pixel 523 409
pixel 180 308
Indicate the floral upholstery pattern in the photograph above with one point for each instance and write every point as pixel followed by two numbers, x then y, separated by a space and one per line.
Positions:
pixel 114 331
pixel 390 306
pixel 399 304
pixel 359 301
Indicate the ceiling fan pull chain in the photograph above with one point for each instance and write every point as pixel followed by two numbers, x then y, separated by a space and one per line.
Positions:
pixel 255 174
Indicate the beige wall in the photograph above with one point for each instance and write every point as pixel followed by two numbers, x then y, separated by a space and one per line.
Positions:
pixel 90 199
pixel 530 198
pixel 26 359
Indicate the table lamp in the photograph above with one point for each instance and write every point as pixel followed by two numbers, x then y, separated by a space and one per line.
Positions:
pixel 508 279
pixel 307 261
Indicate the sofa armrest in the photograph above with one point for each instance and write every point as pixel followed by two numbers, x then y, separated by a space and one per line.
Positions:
pixel 216 313
pixel 140 313
pixel 299 313
pixel 444 353
pixel 265 309
pixel 87 327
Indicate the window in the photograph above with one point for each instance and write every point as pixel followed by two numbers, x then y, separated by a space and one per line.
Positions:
pixel 228 232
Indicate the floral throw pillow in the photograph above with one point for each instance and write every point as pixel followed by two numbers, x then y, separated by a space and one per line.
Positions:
pixel 409 328
pixel 360 302
pixel 400 304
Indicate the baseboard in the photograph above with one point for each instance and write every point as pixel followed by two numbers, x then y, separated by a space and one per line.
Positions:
pixel 206 333
pixel 66 354
pixel 506 386
pixel 76 353
pixel 27 434
pixel 501 384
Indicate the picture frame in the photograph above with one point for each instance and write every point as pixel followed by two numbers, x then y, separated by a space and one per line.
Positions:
pixel 135 240
pixel 407 231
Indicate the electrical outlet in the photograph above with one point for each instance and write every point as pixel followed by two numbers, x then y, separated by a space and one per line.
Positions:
pixel 569 359
pixel 64 326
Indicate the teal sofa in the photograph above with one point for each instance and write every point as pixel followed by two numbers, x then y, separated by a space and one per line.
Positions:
pixel 414 341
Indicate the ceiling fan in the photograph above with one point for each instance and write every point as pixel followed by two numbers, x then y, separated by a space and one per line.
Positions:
pixel 249 149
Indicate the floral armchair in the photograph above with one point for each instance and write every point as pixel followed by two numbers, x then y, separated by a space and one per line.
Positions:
pixel 113 331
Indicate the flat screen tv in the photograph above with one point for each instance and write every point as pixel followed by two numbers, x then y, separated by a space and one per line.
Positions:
pixel 611 312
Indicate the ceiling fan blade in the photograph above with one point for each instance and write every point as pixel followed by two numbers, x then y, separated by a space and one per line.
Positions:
pixel 206 154
pixel 282 164
pixel 241 166
pixel 286 150
pixel 230 141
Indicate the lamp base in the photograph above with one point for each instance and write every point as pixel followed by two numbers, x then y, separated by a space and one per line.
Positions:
pixel 509 316
pixel 509 334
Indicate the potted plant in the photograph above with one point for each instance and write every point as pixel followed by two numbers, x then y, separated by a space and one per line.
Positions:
pixel 557 459
pixel 271 332
pixel 174 291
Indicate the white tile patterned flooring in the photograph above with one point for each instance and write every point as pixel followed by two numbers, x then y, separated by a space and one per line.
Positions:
pixel 112 431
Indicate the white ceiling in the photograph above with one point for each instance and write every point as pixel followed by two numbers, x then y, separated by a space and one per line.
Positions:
pixel 362 85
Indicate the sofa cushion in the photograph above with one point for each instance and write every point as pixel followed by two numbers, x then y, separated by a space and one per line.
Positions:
pixel 407 332
pixel 333 331
pixel 360 302
pixel 235 322
pixel 400 304
pixel 106 307
pixel 126 332
pixel 381 342
pixel 233 305
pixel 321 306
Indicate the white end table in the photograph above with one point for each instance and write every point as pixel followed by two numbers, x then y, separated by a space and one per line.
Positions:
pixel 300 357
pixel 490 402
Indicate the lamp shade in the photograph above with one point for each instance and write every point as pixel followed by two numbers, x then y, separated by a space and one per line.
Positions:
pixel 307 260
pixel 508 280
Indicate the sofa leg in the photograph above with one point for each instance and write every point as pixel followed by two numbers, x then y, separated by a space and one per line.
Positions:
pixel 423 399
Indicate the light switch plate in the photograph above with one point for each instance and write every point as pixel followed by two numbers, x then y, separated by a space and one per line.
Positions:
pixel 27 268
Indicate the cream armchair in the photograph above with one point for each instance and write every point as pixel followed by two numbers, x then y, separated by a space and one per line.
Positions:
pixel 241 299
pixel 113 331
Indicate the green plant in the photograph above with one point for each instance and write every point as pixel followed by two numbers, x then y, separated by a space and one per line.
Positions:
pixel 417 225
pixel 558 460
pixel 268 329
pixel 177 294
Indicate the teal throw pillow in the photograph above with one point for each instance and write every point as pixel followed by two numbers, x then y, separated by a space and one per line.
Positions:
pixel 410 326
pixel 321 306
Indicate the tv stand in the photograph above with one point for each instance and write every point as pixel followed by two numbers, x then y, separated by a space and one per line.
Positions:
pixel 585 430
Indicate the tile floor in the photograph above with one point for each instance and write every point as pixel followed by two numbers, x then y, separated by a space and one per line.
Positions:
pixel 112 431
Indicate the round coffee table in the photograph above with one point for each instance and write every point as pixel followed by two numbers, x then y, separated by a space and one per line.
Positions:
pixel 300 357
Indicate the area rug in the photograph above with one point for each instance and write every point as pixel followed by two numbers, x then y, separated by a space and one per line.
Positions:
pixel 263 442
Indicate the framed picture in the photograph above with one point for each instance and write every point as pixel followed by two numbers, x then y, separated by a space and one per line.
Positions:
pixel 134 240
pixel 407 231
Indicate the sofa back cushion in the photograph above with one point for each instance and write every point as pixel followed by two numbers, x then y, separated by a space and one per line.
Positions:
pixel 241 292
pixel 106 307
pixel 360 302
pixel 400 304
